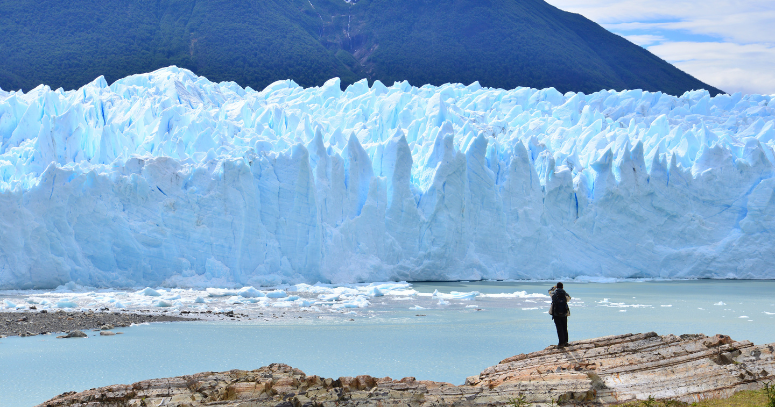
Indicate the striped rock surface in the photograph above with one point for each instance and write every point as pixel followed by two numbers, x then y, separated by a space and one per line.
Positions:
pixel 601 371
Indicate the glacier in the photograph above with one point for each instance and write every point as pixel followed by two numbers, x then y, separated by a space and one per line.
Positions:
pixel 168 179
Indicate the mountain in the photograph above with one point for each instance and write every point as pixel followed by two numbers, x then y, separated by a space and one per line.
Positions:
pixel 500 43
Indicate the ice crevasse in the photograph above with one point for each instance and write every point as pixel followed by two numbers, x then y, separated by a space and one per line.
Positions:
pixel 169 179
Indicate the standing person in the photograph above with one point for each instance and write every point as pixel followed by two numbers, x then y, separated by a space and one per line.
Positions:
pixel 560 312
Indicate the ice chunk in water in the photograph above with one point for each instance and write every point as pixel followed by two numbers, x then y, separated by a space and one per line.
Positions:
pixel 149 292
pixel 65 303
pixel 276 294
pixel 250 292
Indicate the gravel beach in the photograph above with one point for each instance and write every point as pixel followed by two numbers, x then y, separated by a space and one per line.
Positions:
pixel 42 322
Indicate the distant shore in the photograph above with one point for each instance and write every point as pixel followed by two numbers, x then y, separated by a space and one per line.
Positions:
pixel 33 323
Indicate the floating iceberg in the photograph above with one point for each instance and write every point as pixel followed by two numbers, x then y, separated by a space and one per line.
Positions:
pixel 250 292
pixel 276 294
pixel 66 303
pixel 163 303
pixel 456 295
pixel 149 292
pixel 168 179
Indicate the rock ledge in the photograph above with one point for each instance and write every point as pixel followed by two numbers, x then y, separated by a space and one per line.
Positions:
pixel 600 371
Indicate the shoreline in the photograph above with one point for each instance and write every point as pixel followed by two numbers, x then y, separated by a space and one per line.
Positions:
pixel 29 323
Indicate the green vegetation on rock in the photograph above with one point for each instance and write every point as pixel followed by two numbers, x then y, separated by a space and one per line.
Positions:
pixel 748 398
pixel 500 43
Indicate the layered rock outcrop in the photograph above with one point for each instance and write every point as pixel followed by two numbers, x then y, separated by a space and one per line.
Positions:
pixel 601 371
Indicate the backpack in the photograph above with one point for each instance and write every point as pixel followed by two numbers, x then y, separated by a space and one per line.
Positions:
pixel 559 303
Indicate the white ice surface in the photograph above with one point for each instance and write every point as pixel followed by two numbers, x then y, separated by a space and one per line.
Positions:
pixel 168 179
pixel 318 298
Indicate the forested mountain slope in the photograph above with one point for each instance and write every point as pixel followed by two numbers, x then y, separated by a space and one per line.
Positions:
pixel 500 43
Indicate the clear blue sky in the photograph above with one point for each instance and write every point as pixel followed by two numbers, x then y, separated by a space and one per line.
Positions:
pixel 728 44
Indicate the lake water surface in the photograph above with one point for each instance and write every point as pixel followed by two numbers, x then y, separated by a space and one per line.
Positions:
pixel 416 336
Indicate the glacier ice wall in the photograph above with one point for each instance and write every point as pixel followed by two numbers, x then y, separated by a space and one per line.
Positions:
pixel 169 179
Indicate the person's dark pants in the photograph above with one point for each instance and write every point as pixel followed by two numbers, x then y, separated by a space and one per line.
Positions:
pixel 561 323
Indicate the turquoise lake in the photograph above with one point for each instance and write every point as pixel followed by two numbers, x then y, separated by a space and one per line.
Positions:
pixel 394 338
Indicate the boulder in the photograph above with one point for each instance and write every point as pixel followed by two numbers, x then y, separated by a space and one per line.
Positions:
pixel 74 334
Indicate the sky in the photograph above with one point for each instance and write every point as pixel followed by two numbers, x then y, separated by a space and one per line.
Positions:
pixel 729 44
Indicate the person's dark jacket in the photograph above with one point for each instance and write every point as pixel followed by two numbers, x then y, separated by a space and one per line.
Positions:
pixel 558 291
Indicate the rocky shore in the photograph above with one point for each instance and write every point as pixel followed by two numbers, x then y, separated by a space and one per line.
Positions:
pixel 39 323
pixel 594 372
